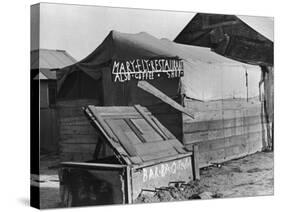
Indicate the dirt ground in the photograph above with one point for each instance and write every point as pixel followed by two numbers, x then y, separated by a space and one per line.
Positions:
pixel 49 182
pixel 248 176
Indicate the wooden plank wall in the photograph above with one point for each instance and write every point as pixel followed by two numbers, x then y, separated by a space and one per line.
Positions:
pixel 48 130
pixel 77 138
pixel 225 130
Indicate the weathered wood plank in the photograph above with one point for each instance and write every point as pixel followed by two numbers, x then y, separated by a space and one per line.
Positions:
pixel 195 163
pixel 122 138
pixel 81 148
pixel 158 94
pixel 77 137
pixel 149 120
pixel 115 110
pixel 76 156
pixel 190 127
pixel 153 147
pixel 229 141
pixel 220 133
pixel 91 111
pixel 223 114
pixel 159 155
pixel 80 139
pixel 77 130
pixel 237 148
pixel 74 121
pixel 225 104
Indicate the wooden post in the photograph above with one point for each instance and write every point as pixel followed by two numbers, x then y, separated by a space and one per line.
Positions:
pixel 98 148
pixel 129 185
pixel 247 86
pixel 195 162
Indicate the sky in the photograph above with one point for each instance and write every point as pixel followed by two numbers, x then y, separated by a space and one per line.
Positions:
pixel 80 29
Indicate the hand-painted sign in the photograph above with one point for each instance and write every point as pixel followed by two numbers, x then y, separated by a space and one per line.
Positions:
pixel 146 69
pixel 165 169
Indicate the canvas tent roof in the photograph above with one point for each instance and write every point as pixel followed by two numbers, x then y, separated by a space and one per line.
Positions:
pixel 121 46
pixel 198 61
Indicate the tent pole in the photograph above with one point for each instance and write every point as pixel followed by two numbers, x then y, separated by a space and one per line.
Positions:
pixel 247 86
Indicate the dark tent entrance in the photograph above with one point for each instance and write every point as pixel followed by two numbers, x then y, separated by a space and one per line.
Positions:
pixel 79 85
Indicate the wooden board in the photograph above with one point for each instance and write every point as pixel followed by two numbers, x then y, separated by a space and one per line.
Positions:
pixel 223 114
pixel 154 147
pixel 157 93
pixel 220 133
pixel 76 139
pixel 76 156
pixel 142 138
pixel 121 136
pixel 191 127
pixel 225 104
pixel 71 147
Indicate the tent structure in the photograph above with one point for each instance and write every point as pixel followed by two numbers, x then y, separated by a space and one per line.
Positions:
pixel 207 75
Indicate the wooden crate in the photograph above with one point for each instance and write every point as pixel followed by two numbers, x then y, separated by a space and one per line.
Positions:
pixel 147 156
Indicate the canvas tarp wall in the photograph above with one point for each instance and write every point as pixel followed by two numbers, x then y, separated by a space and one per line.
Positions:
pixel 216 82
pixel 207 76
